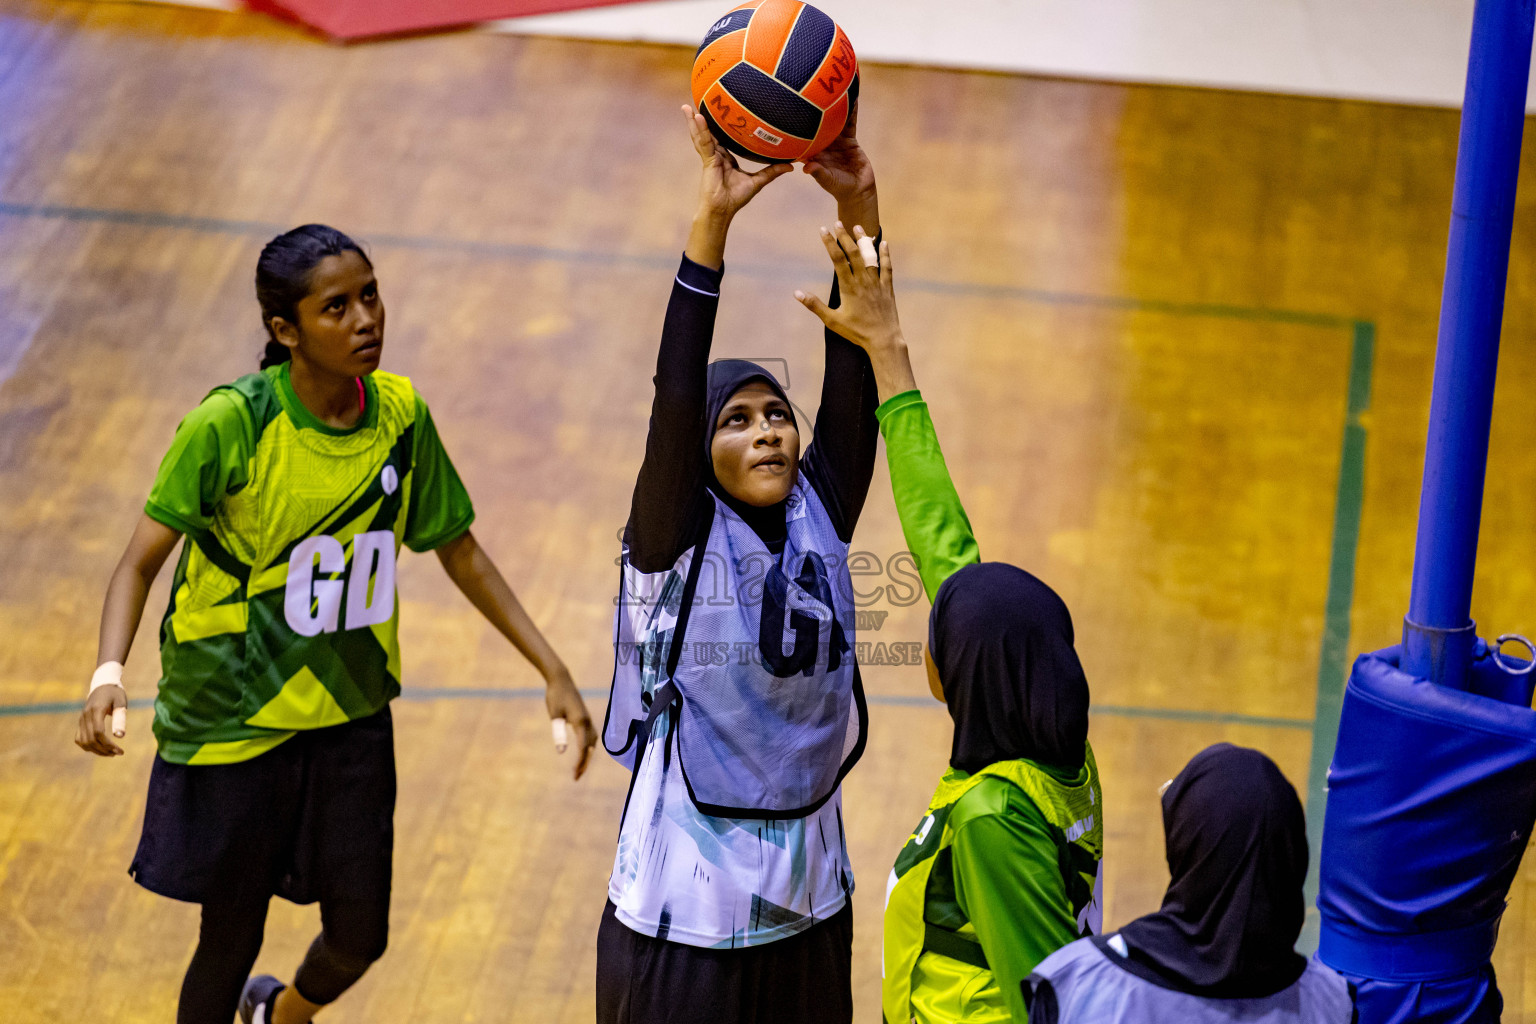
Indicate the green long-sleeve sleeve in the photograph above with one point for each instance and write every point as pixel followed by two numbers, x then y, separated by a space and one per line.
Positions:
pixel 1008 883
pixel 932 519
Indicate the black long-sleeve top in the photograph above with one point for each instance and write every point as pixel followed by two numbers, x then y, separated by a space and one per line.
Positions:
pixel 672 501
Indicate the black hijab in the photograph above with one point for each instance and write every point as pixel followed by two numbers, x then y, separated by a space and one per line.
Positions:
pixel 1002 642
pixel 726 377
pixel 1237 851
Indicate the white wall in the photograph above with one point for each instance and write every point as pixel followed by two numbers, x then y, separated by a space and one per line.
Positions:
pixel 1407 51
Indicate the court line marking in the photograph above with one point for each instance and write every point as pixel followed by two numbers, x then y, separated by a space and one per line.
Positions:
pixel 666 261
pixel 1333 652
pixel 1349 494
pixel 891 700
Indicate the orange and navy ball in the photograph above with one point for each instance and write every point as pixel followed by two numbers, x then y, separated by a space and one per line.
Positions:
pixel 775 79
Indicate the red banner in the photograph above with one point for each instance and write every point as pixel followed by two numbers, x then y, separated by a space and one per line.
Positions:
pixel 357 19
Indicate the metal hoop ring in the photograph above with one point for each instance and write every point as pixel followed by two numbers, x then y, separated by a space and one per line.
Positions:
pixel 1498 657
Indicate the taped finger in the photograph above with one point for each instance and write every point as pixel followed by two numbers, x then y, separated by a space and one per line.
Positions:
pixel 846 243
pixel 868 253
pixel 561 735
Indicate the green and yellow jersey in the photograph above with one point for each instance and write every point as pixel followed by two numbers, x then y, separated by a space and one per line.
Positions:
pixel 1003 870
pixel 1006 865
pixel 283 614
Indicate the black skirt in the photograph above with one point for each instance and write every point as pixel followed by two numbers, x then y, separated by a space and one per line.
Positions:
pixel 805 978
pixel 311 819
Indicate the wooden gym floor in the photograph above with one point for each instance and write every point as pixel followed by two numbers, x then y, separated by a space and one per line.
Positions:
pixel 1177 343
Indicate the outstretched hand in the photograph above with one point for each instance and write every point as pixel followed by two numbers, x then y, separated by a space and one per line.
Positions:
pixel 867 316
pixel 724 188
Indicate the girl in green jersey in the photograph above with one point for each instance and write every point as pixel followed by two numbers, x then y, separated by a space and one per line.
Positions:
pixel 275 773
pixel 1004 867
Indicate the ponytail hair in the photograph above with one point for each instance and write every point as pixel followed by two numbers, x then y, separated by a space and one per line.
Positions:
pixel 275 352
pixel 283 273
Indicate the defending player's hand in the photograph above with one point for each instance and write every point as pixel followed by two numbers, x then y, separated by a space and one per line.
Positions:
pixel 724 188
pixel 94 733
pixel 566 706
pixel 867 316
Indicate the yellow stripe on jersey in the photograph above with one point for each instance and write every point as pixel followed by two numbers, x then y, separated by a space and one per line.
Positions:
pixel 234 751
pixel 389 639
pixel 202 623
pixel 302 703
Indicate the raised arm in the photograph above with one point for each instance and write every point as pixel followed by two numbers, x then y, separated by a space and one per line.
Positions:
pixel 669 491
pixel 933 521
pixel 841 460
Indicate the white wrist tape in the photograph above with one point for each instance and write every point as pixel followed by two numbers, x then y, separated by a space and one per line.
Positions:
pixel 111 674
pixel 868 251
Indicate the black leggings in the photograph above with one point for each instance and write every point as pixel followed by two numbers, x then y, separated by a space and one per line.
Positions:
pixel 353 935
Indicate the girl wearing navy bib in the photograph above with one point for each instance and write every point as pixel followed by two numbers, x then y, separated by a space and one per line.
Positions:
pixel 736 698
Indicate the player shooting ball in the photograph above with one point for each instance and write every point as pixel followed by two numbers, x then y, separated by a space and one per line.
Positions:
pixel 728 899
